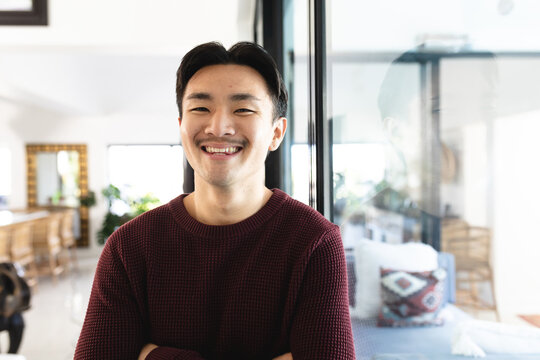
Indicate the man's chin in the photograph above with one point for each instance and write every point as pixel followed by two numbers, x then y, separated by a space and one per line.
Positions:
pixel 219 181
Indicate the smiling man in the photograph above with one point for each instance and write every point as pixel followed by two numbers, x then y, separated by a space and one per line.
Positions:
pixel 233 270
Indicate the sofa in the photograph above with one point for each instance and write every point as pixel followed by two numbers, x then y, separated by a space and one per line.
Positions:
pixel 451 336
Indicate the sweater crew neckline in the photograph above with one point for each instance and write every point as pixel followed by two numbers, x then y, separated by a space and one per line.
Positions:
pixel 184 219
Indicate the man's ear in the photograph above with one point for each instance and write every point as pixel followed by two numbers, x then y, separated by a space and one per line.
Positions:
pixel 180 121
pixel 280 127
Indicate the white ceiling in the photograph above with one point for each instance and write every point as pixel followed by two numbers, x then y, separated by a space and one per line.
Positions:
pixel 88 62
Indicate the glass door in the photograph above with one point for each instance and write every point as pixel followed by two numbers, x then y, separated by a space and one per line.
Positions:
pixel 432 114
pixel 434 110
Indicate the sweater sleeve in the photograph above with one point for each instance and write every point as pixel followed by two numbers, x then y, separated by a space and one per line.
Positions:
pixel 321 327
pixel 169 353
pixel 114 326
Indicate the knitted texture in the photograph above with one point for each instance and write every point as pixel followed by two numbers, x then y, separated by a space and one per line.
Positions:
pixel 271 284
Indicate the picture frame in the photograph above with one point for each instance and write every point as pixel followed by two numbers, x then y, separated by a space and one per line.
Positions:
pixel 36 15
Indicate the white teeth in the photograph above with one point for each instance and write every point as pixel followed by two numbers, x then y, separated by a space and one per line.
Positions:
pixel 229 150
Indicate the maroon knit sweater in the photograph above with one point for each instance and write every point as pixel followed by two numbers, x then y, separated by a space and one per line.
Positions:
pixel 271 284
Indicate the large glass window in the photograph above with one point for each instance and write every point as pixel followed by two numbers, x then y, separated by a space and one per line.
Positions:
pixel 5 179
pixel 146 170
pixel 433 111
pixel 295 74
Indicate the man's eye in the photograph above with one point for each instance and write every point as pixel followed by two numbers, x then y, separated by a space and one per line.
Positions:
pixel 244 110
pixel 200 109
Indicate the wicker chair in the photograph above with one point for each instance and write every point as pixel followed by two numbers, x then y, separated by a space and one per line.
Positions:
pixel 48 245
pixel 68 238
pixel 5 255
pixel 471 246
pixel 22 251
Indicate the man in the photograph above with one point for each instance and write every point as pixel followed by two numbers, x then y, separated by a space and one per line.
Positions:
pixel 233 270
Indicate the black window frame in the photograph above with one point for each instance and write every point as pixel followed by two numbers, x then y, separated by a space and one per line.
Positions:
pixel 319 125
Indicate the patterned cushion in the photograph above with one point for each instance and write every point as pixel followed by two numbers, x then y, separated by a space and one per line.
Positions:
pixel 411 298
pixel 368 257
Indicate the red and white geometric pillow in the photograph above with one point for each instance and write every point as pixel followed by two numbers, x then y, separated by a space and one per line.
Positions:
pixel 411 298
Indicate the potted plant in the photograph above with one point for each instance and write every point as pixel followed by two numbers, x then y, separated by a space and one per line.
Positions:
pixel 88 200
pixel 113 221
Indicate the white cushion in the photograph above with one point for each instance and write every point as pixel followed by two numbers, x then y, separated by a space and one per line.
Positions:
pixel 370 256
pixel 477 337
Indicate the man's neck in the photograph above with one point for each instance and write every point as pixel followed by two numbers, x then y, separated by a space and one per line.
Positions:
pixel 224 206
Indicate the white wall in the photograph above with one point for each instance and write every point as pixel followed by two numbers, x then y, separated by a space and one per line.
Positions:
pixel 516 194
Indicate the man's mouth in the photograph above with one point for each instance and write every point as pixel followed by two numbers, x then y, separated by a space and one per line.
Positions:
pixel 221 151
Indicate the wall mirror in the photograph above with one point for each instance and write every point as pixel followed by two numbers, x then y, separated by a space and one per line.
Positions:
pixel 57 178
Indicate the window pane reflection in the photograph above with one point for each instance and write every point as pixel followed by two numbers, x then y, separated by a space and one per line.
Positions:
pixel 435 107
pixel 295 75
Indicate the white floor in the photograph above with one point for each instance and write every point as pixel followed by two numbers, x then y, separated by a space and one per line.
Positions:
pixel 53 323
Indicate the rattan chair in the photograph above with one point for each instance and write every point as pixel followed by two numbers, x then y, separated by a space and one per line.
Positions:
pixel 5 241
pixel 471 247
pixel 68 238
pixel 48 245
pixel 22 251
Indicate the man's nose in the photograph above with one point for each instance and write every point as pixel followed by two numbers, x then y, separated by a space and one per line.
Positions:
pixel 220 124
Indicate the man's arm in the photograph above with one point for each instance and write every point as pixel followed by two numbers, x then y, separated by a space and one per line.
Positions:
pixel 114 327
pixel 148 349
pixel 321 326
pixel 168 353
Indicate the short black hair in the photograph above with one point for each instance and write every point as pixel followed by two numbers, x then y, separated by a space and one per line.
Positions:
pixel 242 53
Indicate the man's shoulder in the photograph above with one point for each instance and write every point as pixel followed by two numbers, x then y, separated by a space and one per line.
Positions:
pixel 136 235
pixel 157 215
pixel 302 229
pixel 157 218
pixel 304 216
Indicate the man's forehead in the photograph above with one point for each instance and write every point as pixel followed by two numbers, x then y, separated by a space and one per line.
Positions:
pixel 219 77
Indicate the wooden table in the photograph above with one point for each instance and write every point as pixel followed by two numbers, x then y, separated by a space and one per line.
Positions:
pixel 10 218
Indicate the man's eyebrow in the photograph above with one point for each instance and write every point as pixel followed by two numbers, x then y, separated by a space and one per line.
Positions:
pixel 243 96
pixel 199 96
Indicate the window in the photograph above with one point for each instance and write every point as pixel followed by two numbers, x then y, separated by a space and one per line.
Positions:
pixel 428 118
pixel 138 170
pixel 5 179
pixel 295 75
